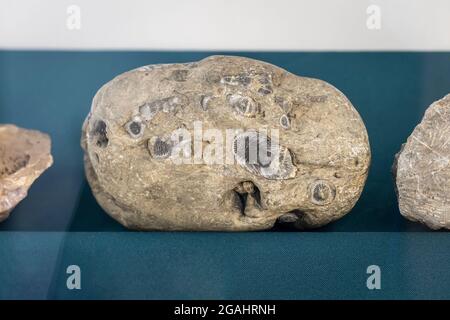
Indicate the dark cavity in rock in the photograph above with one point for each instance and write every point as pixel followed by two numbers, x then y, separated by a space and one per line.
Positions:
pixel 160 149
pixel 134 128
pixel 100 134
pixel 290 217
pixel 244 190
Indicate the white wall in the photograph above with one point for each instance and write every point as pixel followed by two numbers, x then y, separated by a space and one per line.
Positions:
pixel 225 25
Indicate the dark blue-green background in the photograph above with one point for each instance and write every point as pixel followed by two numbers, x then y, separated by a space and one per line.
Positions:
pixel 59 223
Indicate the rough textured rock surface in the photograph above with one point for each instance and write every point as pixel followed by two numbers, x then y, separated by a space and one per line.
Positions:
pixel 324 149
pixel 422 169
pixel 24 156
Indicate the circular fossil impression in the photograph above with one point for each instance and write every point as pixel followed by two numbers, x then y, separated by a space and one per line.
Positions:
pixel 322 192
pixel 159 148
pixel 273 147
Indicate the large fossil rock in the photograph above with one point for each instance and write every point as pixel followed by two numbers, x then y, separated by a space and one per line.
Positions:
pixel 24 156
pixel 314 171
pixel 422 169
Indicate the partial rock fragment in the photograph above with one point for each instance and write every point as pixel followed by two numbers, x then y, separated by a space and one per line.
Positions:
pixel 24 156
pixel 148 171
pixel 422 169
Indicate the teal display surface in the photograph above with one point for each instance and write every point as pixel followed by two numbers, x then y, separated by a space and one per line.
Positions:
pixel 60 223
pixel 262 265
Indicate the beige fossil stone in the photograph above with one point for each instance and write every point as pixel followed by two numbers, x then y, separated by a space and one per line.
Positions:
pixel 314 173
pixel 422 169
pixel 24 156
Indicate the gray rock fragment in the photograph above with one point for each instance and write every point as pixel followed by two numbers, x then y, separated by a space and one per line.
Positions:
pixel 422 169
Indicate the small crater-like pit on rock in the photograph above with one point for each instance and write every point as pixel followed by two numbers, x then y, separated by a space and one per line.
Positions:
pixel 245 189
pixel 99 133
